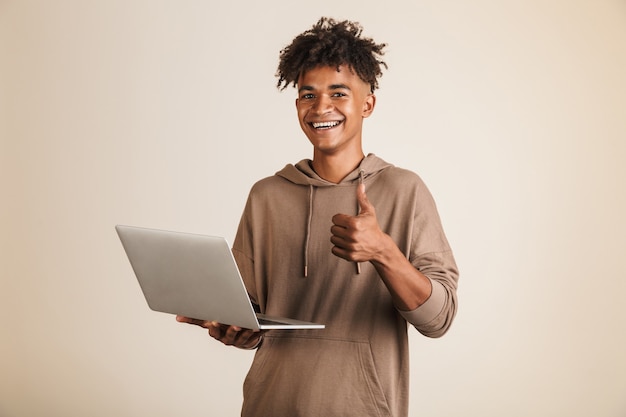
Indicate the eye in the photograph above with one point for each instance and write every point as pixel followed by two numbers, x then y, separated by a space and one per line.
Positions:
pixel 339 94
pixel 307 96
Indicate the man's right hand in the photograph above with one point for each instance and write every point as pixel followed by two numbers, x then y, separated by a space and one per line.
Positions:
pixel 228 335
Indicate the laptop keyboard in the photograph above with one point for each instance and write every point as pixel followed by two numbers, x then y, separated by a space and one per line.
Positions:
pixel 266 321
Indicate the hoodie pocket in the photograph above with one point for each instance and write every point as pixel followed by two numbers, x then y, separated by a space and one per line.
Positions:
pixel 301 376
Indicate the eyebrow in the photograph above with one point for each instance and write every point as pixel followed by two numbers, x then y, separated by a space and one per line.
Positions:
pixel 330 87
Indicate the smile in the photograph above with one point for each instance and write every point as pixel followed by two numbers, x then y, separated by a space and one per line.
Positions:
pixel 325 125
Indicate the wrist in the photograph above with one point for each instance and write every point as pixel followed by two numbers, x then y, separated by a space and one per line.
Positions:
pixel 387 252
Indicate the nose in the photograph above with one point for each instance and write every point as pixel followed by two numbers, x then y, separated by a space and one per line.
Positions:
pixel 322 105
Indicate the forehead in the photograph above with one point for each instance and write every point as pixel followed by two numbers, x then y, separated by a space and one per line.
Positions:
pixel 323 77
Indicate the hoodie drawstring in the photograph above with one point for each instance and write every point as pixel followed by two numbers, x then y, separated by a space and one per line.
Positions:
pixel 308 232
pixel 308 226
pixel 358 211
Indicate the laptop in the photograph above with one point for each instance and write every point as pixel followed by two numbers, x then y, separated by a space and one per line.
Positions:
pixel 195 276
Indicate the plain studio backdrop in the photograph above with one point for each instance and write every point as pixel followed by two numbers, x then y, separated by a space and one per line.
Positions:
pixel 164 113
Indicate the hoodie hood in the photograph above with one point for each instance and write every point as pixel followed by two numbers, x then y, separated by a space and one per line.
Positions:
pixel 303 174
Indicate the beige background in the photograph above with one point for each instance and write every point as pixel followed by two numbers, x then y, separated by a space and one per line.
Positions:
pixel 163 114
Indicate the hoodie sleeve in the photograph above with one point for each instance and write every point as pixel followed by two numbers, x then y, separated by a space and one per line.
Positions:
pixel 430 253
pixel 243 252
pixel 434 317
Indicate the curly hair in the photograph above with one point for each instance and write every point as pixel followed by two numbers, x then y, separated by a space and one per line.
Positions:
pixel 331 43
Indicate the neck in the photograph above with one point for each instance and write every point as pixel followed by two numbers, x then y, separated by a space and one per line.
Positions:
pixel 334 168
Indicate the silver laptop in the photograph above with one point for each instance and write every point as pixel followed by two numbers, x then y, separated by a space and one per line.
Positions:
pixel 194 276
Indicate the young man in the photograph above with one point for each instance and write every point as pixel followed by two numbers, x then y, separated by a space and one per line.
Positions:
pixel 344 239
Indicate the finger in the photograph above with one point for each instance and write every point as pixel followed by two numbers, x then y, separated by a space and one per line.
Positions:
pixel 364 203
pixel 215 330
pixel 247 337
pixel 221 332
pixel 240 337
pixel 189 320
pixel 230 335
pixel 341 252
pixel 339 233
pixel 342 220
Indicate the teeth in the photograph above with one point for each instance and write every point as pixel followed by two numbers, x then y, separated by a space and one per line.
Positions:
pixel 324 125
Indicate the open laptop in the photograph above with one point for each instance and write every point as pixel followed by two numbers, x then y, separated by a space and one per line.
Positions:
pixel 195 276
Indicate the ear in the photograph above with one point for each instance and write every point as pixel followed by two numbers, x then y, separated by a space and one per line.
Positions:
pixel 368 105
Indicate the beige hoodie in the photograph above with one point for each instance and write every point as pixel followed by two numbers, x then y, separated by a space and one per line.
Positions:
pixel 357 365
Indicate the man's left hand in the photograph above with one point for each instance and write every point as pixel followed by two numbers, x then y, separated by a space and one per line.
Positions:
pixel 358 238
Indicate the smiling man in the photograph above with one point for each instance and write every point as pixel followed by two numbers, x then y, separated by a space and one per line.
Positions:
pixel 343 239
pixel 332 103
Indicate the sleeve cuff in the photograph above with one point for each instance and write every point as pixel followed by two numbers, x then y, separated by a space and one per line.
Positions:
pixel 428 311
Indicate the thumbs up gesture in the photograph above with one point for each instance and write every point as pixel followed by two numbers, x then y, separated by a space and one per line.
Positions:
pixel 358 238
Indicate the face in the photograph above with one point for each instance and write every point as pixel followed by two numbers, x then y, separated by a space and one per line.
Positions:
pixel 331 107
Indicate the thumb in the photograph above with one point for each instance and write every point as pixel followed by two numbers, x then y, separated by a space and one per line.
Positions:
pixel 364 203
